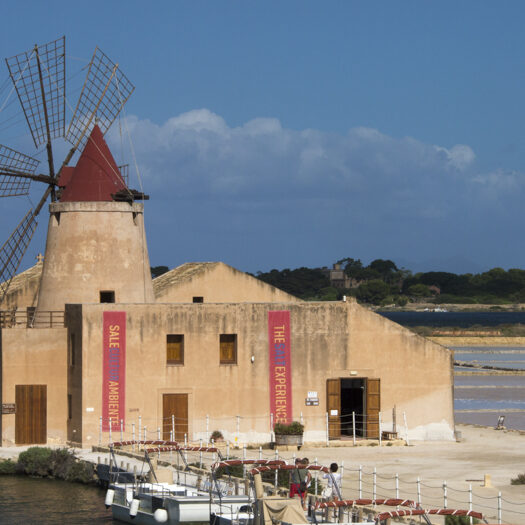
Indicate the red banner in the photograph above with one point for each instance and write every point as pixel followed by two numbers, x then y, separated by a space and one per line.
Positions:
pixel 280 366
pixel 114 370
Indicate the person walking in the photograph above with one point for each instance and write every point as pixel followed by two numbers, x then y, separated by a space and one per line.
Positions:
pixel 299 478
pixel 333 483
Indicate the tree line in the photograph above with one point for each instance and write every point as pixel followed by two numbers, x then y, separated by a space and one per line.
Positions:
pixel 383 283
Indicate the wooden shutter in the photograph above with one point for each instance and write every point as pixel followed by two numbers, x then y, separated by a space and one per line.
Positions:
pixel 333 407
pixel 228 349
pixel 373 406
pixel 175 349
pixel 175 405
pixel 31 414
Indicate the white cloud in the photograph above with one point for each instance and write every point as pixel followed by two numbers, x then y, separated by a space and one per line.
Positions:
pixel 459 156
pixel 197 155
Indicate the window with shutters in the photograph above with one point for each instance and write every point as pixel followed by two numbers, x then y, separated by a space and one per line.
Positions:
pixel 228 349
pixel 175 349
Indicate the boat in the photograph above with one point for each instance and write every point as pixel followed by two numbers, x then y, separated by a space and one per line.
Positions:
pixel 177 496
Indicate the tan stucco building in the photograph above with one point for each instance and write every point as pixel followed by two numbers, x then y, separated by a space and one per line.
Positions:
pixel 337 345
pixel 203 347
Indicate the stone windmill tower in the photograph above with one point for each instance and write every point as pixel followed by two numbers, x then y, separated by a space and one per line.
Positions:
pixel 96 245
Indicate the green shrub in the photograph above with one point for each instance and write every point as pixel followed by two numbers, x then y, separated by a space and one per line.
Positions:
pixel 80 472
pixel 8 467
pixel 289 428
pixel 216 434
pixel 520 480
pixel 35 461
pixel 402 300
pixel 61 461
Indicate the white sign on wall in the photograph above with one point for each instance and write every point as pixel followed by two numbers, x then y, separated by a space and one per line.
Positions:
pixel 312 393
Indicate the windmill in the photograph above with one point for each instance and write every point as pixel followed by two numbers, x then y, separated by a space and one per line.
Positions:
pixel 38 76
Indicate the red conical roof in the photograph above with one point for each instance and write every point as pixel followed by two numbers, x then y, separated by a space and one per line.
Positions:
pixel 96 176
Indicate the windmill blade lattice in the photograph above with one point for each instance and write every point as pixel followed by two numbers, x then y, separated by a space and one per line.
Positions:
pixel 13 165
pixel 13 251
pixel 104 94
pixel 39 79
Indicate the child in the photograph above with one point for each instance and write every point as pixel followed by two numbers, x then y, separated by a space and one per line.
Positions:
pixel 332 492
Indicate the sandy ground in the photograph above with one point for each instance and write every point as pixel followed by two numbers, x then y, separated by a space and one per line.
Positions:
pixel 481 451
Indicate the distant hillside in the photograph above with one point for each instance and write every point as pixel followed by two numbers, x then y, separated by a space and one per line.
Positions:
pixel 383 283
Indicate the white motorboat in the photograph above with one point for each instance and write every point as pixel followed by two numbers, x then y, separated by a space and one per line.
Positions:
pixel 178 496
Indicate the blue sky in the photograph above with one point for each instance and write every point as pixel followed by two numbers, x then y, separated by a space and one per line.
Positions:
pixel 285 134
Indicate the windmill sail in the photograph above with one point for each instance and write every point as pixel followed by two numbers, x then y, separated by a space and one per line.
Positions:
pixel 13 166
pixel 39 79
pixel 106 90
pixel 13 251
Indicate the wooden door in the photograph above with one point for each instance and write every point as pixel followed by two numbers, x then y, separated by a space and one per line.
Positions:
pixel 175 405
pixel 373 406
pixel 333 407
pixel 31 414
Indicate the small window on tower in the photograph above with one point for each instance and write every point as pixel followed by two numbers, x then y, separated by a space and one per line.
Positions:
pixel 228 349
pixel 198 299
pixel 175 349
pixel 107 296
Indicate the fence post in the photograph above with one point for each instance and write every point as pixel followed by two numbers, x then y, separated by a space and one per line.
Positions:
pixel 327 433
pixel 445 494
pixel 260 452
pixel 499 509
pixel 185 439
pixel 301 418
pixel 316 476
pixel 173 426
pixel 133 435
pixel 406 428
pixel 375 484
pixel 380 429
pixel 158 433
pixel 276 479
pixel 244 458
pixel 121 430
pixel 271 428
pixel 110 425
pixel 470 501
pixel 100 432
pixel 397 485
pixel 353 427
pixel 360 481
pixel 419 491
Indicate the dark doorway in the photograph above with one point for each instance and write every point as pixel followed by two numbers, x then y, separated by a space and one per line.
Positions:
pixel 358 397
pixel 352 401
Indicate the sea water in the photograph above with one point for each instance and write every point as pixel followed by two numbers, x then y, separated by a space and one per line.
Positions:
pixel 27 500
pixel 482 397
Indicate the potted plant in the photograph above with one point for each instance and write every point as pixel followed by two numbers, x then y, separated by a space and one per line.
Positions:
pixel 289 433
